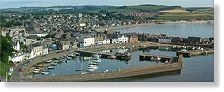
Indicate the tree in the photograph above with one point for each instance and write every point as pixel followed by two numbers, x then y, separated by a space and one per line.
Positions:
pixel 6 49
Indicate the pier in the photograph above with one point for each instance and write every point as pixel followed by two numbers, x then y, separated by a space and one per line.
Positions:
pixel 194 53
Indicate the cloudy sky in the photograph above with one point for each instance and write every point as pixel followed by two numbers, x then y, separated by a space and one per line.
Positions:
pixel 28 3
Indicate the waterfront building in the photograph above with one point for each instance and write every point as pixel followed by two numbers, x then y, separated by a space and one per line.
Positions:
pixel 106 41
pixel 86 41
pixel 133 38
pixel 164 39
pixel 176 40
pixel 66 45
pixel 194 40
pixel 18 58
pixel 37 49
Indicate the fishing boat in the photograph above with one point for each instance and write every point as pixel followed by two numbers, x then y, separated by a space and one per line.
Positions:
pixel 123 56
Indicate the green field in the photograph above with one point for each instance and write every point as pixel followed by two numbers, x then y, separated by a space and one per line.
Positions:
pixel 193 14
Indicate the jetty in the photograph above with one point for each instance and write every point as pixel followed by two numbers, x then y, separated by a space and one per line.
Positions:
pixel 194 52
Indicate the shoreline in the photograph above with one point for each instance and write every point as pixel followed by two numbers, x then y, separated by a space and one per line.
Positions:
pixel 111 29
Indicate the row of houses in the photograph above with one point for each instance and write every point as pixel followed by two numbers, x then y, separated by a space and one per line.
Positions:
pixel 163 38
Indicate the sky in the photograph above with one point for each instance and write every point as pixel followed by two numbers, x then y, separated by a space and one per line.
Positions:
pixel 45 3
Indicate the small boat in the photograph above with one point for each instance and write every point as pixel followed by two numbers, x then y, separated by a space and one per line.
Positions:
pixel 48 61
pixel 158 58
pixel 166 61
pixel 78 69
pixel 84 72
pixel 36 69
pixel 77 54
pixel 106 71
pixel 123 56
pixel 50 67
pixel 45 72
pixel 91 70
pixel 111 57
pixel 152 58
pixel 36 72
pixel 69 58
pixel 92 67
pixel 71 55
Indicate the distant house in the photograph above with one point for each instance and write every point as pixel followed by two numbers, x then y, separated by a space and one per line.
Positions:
pixel 66 45
pixel 176 40
pixel 133 38
pixel 118 38
pixel 164 39
pixel 106 41
pixel 194 40
pixel 18 58
pixel 86 41
pixel 56 46
pixel 37 34
pixel 35 49
pixel 31 31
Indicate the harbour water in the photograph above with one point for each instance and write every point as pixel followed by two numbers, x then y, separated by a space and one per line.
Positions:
pixel 174 29
pixel 195 69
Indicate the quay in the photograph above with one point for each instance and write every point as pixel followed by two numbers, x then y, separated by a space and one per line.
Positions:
pixel 162 59
pixel 194 53
pixel 176 65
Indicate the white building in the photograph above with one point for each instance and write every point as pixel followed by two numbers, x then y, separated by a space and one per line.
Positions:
pixel 18 58
pixel 66 45
pixel 17 46
pixel 106 41
pixel 38 34
pixel 45 51
pixel 87 41
pixel 37 50
pixel 120 39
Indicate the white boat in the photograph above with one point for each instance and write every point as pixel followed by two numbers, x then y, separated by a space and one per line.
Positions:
pixel 78 69
pixel 69 58
pixel 92 67
pixel 36 72
pixel 48 61
pixel 91 70
pixel 152 59
pixel 36 69
pixel 50 67
pixel 45 72
pixel 158 58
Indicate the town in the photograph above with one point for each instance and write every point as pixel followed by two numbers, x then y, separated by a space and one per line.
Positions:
pixel 53 30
